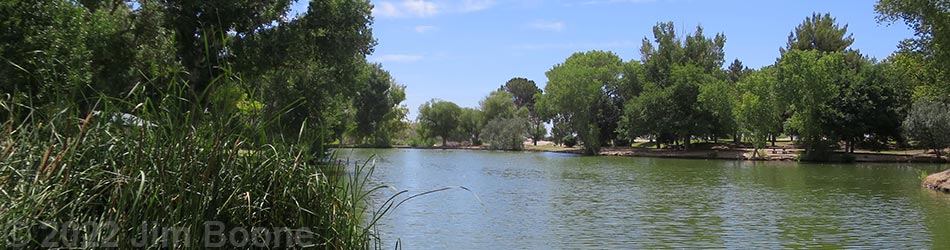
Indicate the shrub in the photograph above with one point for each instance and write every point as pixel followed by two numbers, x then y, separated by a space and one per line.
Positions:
pixel 506 133
pixel 569 141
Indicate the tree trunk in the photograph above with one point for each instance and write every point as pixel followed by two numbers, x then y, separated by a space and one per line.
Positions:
pixel 443 141
pixel 773 139
pixel 685 142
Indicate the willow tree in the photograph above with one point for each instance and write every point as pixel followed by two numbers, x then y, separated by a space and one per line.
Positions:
pixel 440 117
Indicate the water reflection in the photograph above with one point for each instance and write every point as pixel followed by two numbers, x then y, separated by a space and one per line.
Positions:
pixel 549 200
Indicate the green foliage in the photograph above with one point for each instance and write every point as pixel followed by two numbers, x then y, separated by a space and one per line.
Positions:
pixel 164 169
pixel 871 104
pixel 736 71
pixel 821 33
pixel 682 83
pixel 523 91
pixel 507 133
pixel 807 84
pixel 214 99
pixel 379 114
pixel 569 141
pixel 498 104
pixel 576 93
pixel 928 123
pixel 756 111
pixel 439 118
pixel 45 56
pixel 927 56
pixel 526 93
pixel 471 123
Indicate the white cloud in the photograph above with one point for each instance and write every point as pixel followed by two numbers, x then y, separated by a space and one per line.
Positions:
pixel 428 8
pixel 547 25
pixel 385 9
pixel 420 8
pixel 406 8
pixel 476 5
pixel 425 28
pixel 396 58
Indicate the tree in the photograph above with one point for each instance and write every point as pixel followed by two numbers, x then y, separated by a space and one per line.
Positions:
pixel 674 73
pixel 736 71
pixel 806 84
pixel 576 87
pixel 471 122
pixel 930 20
pixel 307 67
pixel 756 112
pixel 377 104
pixel 200 27
pixel 439 117
pixel 505 125
pixel 498 104
pixel 870 105
pixel 507 133
pixel 821 33
pixel 928 122
pixel 45 56
pixel 525 93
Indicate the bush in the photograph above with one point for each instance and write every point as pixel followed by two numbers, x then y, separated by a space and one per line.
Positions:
pixel 505 133
pixel 569 141
pixel 928 122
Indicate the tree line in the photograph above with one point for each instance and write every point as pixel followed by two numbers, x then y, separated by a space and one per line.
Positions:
pixel 820 91
pixel 240 59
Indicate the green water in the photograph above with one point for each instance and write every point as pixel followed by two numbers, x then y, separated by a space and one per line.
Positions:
pixel 551 200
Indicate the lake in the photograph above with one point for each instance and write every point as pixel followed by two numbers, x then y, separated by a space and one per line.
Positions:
pixel 530 200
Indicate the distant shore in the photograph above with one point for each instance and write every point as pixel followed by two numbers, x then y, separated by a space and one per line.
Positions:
pixel 717 152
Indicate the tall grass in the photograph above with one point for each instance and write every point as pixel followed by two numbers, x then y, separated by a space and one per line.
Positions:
pixel 140 165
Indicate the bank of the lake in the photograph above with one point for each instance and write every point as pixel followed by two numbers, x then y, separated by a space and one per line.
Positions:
pixel 543 200
pixel 718 153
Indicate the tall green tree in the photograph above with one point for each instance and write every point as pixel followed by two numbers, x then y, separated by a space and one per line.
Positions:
pixel 756 111
pixel 806 84
pixel 930 20
pixel 307 66
pixel 439 117
pixel 675 72
pixel 575 89
pixel 736 71
pixel 498 104
pixel 525 92
pixel 377 103
pixel 819 32
pixel 471 122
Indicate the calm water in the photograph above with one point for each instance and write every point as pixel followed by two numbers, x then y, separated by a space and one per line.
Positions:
pixel 551 200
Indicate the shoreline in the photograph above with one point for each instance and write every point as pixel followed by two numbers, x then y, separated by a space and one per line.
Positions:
pixel 741 154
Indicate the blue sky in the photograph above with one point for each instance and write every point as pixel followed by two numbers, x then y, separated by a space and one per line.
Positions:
pixel 460 50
